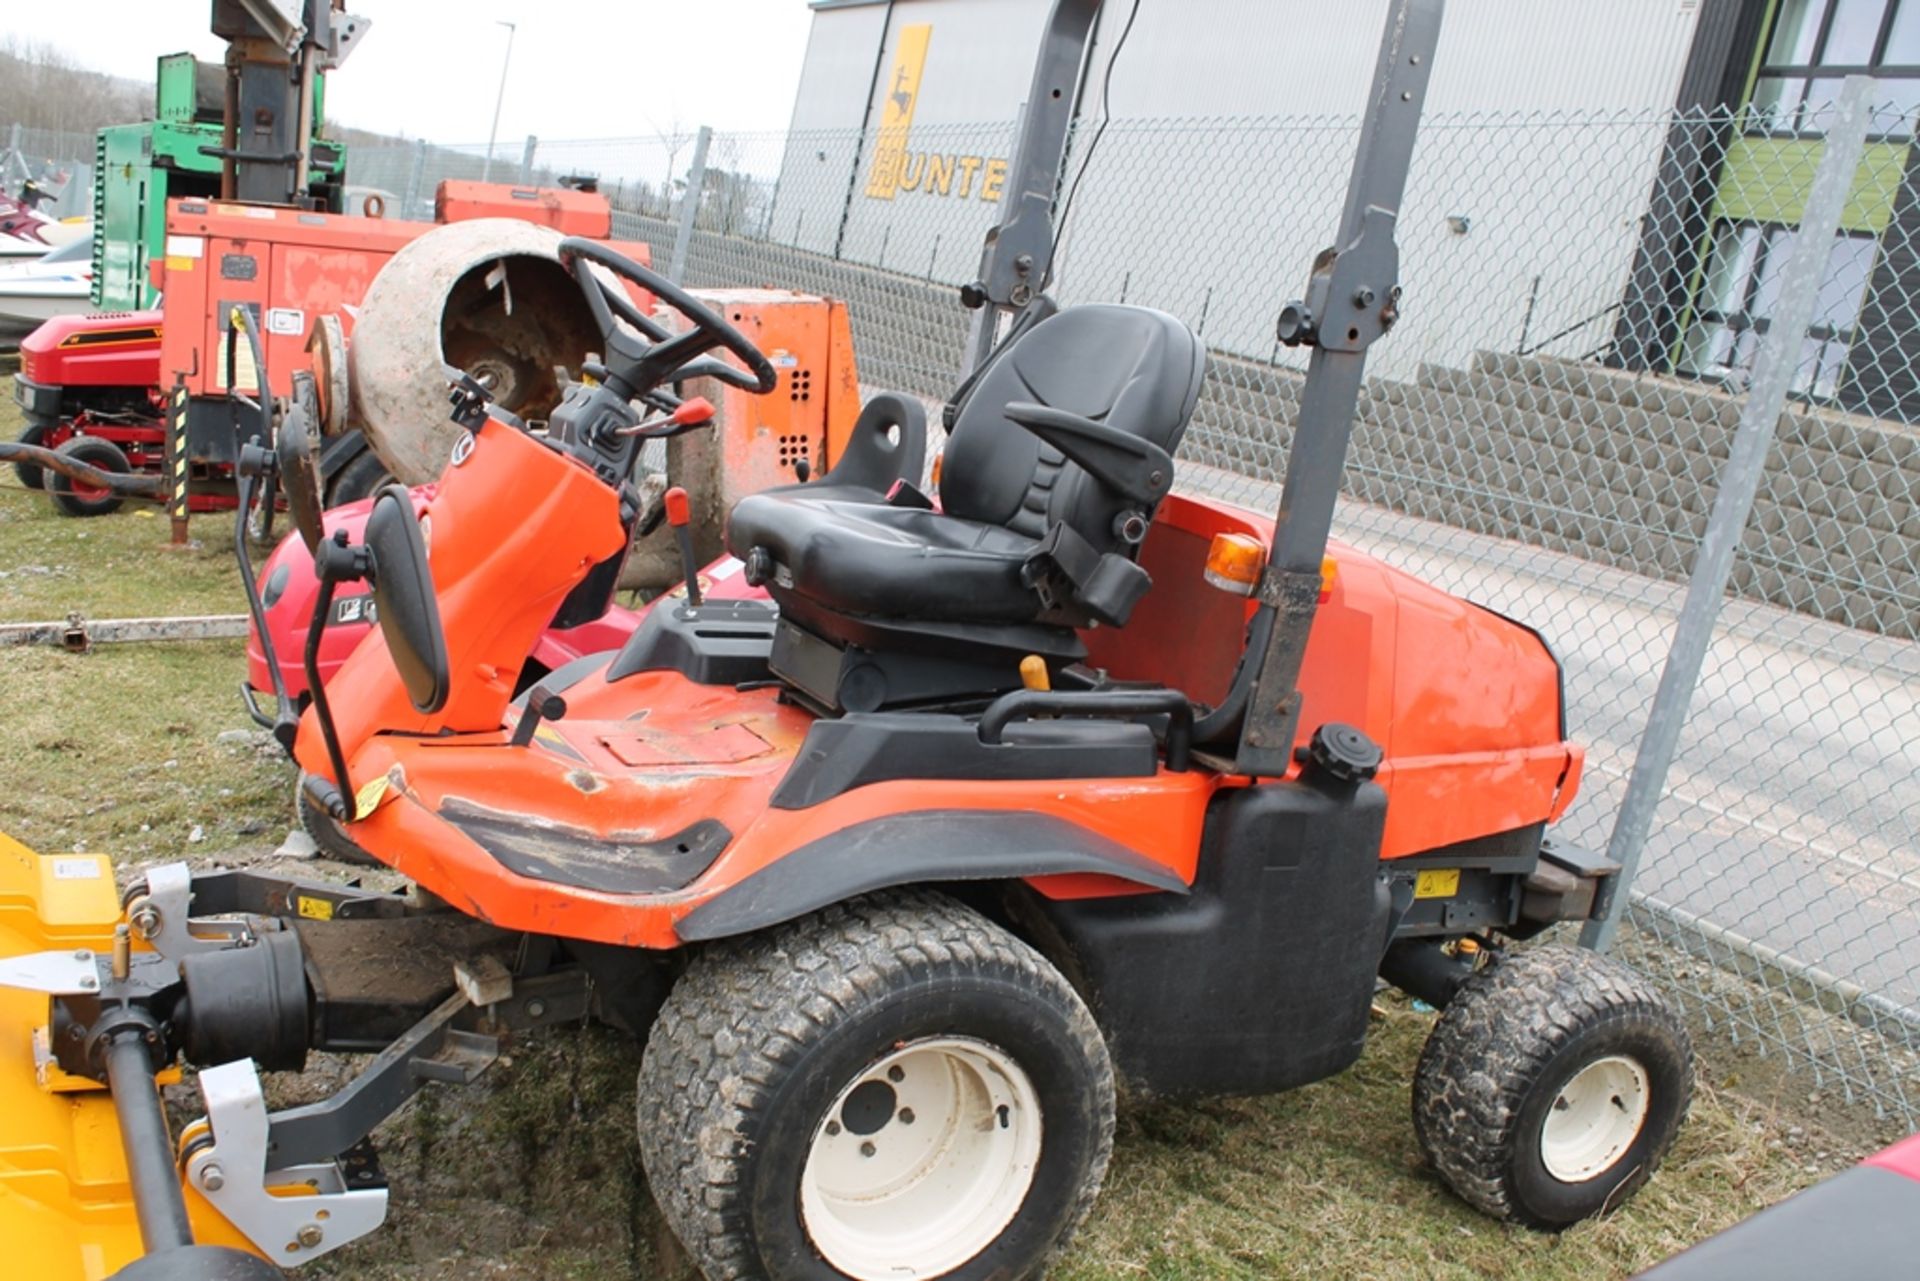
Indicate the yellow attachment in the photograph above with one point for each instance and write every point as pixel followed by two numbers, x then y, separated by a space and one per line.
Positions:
pixel 937 460
pixel 1329 569
pixel 66 1211
pixel 1234 563
pixel 1033 673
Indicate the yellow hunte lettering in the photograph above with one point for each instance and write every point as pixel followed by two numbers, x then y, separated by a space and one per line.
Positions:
pixel 993 180
pixel 940 175
pixel 896 113
pixel 967 167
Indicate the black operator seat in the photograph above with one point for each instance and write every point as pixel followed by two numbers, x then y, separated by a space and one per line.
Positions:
pixel 1041 517
pixel 1057 460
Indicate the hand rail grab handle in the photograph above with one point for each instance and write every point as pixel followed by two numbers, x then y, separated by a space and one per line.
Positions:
pixel 1025 703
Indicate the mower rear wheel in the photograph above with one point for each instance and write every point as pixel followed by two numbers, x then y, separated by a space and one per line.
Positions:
pixel 363 477
pixel 327 832
pixel 76 497
pixel 892 1087
pixel 32 475
pixel 1551 1086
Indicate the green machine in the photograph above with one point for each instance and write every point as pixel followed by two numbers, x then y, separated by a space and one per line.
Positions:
pixel 183 151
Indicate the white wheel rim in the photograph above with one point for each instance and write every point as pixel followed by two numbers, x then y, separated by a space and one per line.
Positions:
pixel 1595 1119
pixel 922 1161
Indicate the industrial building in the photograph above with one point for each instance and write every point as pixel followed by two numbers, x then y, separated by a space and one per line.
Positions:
pixel 1678 135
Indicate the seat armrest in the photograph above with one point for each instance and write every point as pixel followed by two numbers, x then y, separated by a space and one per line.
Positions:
pixel 1131 467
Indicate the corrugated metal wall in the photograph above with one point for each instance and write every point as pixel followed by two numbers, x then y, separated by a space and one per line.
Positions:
pixel 1288 57
pixel 1218 80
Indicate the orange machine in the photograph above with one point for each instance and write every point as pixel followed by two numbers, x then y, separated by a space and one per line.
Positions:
pixel 290 268
pixel 994 721
pixel 796 431
pixel 577 213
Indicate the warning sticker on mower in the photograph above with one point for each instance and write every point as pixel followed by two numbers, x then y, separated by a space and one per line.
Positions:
pixel 315 909
pixel 354 609
pixel 76 869
pixel 368 798
pixel 1440 882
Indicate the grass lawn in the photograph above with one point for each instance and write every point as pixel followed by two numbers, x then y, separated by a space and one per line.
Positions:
pixel 534 1173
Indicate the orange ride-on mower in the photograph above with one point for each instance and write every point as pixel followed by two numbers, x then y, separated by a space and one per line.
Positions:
pixel 1063 784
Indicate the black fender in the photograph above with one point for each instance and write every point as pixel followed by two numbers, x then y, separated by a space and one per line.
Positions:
pixel 917 848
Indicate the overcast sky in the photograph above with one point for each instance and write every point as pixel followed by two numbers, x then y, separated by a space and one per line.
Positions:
pixel 580 68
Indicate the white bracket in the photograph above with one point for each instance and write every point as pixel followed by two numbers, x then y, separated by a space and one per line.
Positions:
pixel 69 972
pixel 292 1215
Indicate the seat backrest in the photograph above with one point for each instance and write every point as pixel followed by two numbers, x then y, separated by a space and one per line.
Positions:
pixel 1132 368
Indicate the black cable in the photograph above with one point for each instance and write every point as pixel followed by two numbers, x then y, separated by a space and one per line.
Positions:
pixel 1106 115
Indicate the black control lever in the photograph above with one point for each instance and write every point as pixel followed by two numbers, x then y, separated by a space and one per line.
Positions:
pixel 541 705
pixel 680 516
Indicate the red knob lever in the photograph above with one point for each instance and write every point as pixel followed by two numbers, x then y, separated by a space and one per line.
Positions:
pixel 697 410
pixel 679 512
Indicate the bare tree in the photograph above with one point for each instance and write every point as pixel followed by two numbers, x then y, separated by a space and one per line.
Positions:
pixel 43 87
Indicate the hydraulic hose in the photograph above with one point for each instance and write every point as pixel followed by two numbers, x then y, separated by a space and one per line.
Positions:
pixel 73 469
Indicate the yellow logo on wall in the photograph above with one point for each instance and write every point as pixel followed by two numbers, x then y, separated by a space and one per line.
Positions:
pixel 896 114
pixel 895 168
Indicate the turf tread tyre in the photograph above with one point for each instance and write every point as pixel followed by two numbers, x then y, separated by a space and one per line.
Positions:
pixel 746 1011
pixel 103 454
pixel 1505 1035
pixel 363 477
pixel 327 834
pixel 31 475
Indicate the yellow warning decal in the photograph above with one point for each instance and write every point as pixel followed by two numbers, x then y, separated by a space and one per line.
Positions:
pixel 896 115
pixel 368 798
pixel 1441 882
pixel 315 909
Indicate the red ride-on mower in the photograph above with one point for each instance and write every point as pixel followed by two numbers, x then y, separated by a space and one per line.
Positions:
pixel 997 804
pixel 89 389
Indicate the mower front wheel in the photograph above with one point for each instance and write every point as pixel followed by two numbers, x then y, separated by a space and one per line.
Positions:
pixel 327 833
pixel 1551 1086
pixel 77 497
pixel 892 1087
pixel 32 475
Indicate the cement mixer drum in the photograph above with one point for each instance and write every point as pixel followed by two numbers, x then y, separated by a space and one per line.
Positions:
pixel 488 296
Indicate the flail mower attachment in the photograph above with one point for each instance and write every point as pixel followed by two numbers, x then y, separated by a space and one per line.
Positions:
pixel 103 997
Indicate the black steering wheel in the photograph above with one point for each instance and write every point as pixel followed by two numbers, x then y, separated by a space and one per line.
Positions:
pixel 654 356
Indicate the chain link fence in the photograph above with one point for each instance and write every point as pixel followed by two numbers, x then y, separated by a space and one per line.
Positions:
pixel 59 163
pixel 1545 432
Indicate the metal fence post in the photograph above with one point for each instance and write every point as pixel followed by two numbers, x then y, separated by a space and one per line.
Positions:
pixel 690 206
pixel 526 160
pixel 1774 365
pixel 177 461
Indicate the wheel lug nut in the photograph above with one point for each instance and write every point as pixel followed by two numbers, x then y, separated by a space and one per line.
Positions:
pixel 906 1116
pixel 866 1149
pixel 833 1129
pixel 896 1073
